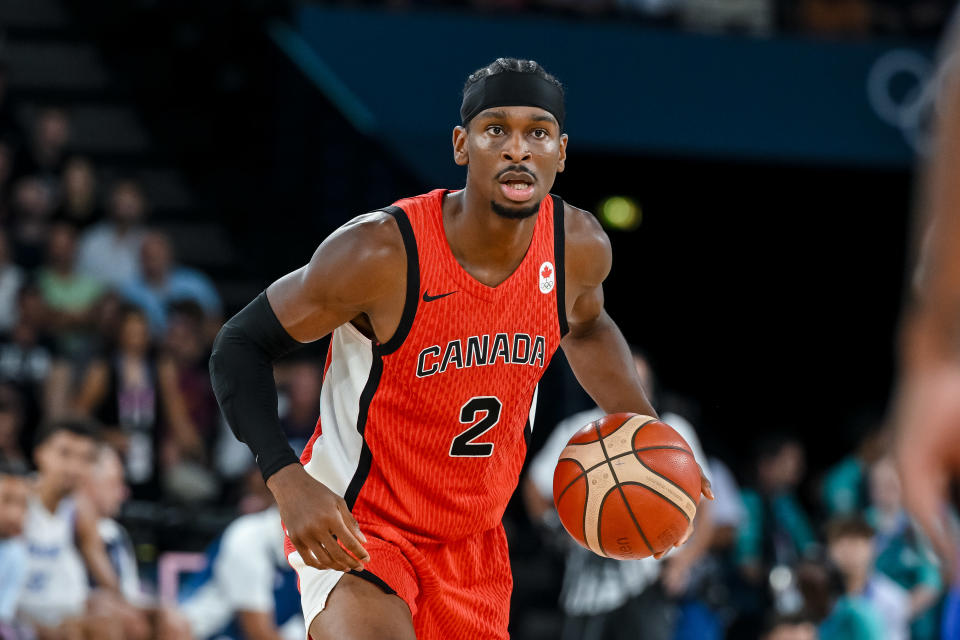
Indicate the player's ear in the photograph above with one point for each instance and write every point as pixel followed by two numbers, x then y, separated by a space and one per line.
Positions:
pixel 460 146
pixel 563 153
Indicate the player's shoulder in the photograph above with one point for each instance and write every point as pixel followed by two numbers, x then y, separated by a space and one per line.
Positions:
pixel 375 234
pixel 586 245
pixel 364 251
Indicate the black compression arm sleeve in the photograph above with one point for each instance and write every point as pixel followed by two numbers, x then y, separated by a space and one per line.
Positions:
pixel 241 371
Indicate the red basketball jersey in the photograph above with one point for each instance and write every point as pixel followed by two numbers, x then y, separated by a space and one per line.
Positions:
pixel 428 431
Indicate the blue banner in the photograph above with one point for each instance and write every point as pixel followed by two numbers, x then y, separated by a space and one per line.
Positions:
pixel 630 88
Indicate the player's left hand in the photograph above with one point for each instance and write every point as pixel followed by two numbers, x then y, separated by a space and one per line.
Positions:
pixel 707 491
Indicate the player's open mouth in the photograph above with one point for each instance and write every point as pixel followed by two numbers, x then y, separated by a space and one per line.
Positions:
pixel 517 190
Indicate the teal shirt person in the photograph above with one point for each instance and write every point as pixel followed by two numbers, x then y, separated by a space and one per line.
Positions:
pixel 843 489
pixel 852 619
pixel 904 557
pixel 791 530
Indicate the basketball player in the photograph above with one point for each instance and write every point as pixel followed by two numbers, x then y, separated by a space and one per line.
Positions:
pixel 60 530
pixel 927 410
pixel 445 309
pixel 14 491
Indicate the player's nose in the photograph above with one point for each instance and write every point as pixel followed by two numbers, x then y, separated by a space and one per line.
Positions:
pixel 516 149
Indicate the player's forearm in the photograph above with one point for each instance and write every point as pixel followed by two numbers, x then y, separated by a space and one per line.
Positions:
pixel 603 364
pixel 98 564
pixel 241 371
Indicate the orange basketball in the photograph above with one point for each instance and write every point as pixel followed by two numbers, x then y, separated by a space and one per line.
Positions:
pixel 626 486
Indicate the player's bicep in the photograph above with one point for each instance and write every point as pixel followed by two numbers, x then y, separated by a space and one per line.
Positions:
pixel 589 259
pixel 353 269
pixel 586 311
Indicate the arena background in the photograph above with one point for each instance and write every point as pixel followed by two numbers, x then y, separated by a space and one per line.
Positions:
pixel 764 153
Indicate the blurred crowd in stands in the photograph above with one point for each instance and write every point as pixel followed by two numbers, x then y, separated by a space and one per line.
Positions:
pixel 781 554
pixel 829 18
pixel 106 407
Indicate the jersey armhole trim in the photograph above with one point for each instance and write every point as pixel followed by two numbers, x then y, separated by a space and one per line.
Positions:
pixel 412 297
pixel 559 267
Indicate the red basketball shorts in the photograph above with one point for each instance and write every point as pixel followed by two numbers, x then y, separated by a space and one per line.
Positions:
pixel 457 590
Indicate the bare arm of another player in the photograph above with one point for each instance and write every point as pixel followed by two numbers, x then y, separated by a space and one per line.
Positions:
pixel 357 274
pixel 594 346
pixel 91 547
pixel 927 409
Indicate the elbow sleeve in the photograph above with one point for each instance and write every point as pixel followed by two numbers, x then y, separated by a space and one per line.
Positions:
pixel 241 372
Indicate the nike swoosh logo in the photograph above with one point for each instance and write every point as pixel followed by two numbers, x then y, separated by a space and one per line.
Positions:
pixel 429 298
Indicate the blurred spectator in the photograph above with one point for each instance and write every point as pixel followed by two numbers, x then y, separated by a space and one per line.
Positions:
pixel 61 532
pixel 121 390
pixel 611 599
pixel 790 627
pixel 107 491
pixel 71 296
pixel 299 386
pixel 30 221
pixel 776 529
pixel 27 355
pixel 138 400
pixel 775 533
pixel 161 282
pixel 845 489
pixel 11 278
pixel 14 560
pixel 901 552
pixel 78 195
pixel 187 353
pixel 43 156
pixel 249 586
pixel 11 424
pixel 850 546
pixel 110 250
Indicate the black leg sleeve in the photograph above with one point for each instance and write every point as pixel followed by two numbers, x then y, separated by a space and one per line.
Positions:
pixel 241 371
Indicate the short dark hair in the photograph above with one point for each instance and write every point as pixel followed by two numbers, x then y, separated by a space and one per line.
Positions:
pixel 772 444
pixel 855 526
pixel 83 427
pixel 511 64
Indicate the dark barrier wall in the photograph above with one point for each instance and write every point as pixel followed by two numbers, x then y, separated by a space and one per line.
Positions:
pixel 630 88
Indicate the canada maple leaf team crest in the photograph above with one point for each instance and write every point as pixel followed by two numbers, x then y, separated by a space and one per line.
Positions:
pixel 547 280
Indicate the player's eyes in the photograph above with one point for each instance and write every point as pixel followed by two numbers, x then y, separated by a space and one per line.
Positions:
pixel 495 129
pixel 540 133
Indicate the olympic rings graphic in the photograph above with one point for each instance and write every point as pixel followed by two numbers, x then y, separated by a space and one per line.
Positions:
pixel 903 88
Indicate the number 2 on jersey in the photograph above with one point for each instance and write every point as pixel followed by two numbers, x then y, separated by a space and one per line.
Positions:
pixel 463 445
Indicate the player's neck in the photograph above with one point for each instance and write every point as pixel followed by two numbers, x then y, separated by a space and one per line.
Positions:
pixel 49 495
pixel 476 232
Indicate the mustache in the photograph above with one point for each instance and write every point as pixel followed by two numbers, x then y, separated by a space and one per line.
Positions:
pixel 518 168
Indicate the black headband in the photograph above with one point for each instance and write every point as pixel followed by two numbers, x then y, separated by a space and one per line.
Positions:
pixel 514 89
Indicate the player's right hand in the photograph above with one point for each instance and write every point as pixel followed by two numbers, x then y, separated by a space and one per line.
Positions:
pixel 316 520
